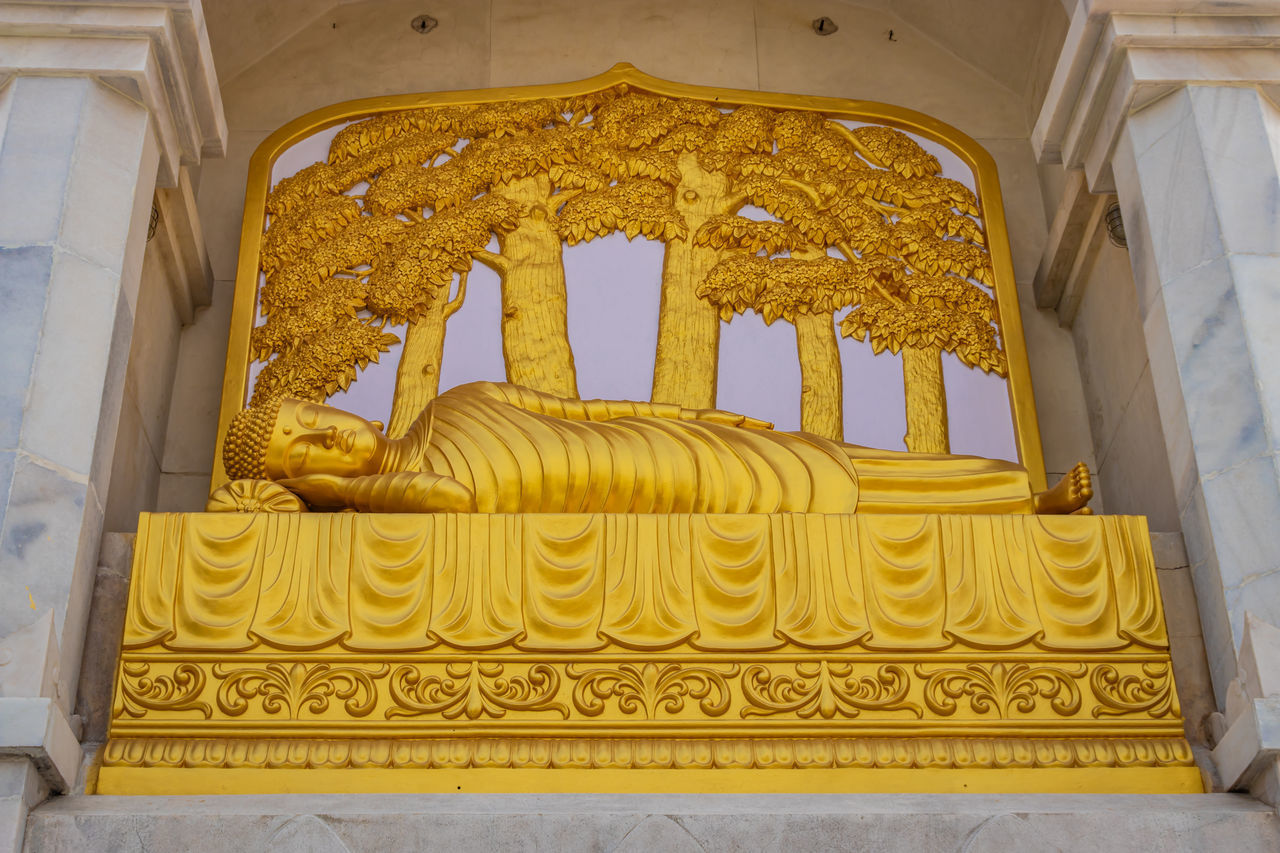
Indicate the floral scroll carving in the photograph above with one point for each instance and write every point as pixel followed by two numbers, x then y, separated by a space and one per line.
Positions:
pixel 825 689
pixel 651 688
pixel 179 691
pixel 1002 689
pixel 474 690
pixel 297 688
pixel 1151 693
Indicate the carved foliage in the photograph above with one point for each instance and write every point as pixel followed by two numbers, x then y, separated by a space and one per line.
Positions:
pixel 179 691
pixel 1002 689
pixel 651 688
pixel 616 160
pixel 297 688
pixel 435 691
pixel 1151 693
pixel 825 689
pixel 473 690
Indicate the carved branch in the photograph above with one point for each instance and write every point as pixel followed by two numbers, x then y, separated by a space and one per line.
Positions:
pixel 804 188
pixel 452 306
pixel 846 134
pixel 564 197
pixel 492 260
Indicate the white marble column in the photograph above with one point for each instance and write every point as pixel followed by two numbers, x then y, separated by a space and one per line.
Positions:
pixel 1199 185
pixel 99 103
pixel 1171 112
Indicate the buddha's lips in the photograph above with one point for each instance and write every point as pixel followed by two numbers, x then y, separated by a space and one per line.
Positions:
pixel 347 440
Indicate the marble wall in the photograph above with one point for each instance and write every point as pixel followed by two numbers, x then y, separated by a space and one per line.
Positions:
pixel 1131 466
pixel 1198 174
pixel 77 166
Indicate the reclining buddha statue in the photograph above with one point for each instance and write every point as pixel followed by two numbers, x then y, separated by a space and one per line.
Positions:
pixel 500 448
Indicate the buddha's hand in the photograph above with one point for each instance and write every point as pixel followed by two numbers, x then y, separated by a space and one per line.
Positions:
pixel 412 492
pixel 716 416
pixel 321 491
pixel 403 491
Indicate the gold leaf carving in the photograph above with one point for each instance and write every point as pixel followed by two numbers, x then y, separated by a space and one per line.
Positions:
pixel 1152 692
pixel 677 170
pixel 1002 689
pixel 253 496
pixel 816 581
pixel 896 151
pixel 179 691
pixel 651 753
pixel 325 363
pixel 825 689
pixel 297 688
pixel 474 690
pixel 651 688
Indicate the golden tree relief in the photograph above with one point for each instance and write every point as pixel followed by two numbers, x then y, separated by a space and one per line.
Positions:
pixel 864 234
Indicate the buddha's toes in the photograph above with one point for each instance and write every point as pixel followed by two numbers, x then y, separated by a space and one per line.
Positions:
pixel 1070 494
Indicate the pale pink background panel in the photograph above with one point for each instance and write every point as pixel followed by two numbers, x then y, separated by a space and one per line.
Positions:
pixel 613 288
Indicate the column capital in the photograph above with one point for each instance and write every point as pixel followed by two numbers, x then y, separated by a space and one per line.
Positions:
pixel 1120 55
pixel 154 51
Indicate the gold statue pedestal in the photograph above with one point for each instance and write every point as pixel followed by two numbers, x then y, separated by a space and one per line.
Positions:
pixel 796 652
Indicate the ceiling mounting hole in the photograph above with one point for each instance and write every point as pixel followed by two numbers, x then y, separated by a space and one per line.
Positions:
pixel 824 26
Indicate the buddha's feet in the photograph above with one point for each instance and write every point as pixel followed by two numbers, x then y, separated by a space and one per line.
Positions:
pixel 1071 494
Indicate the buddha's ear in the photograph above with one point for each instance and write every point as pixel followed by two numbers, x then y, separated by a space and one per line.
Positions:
pixel 379 426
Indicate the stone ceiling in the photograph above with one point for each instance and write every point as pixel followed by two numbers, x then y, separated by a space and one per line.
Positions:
pixel 1000 38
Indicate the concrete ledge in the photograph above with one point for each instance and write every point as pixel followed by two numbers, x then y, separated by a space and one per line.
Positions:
pixel 36 728
pixel 881 822
pixel 1250 745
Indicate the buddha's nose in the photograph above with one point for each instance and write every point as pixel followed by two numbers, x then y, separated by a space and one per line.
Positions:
pixel 331 436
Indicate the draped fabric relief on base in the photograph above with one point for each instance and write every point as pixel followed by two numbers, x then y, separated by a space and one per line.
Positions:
pixel 580 583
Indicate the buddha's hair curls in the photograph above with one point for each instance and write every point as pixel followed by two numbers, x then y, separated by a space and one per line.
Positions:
pixel 244 453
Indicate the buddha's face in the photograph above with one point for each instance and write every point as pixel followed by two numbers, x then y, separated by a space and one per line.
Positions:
pixel 312 438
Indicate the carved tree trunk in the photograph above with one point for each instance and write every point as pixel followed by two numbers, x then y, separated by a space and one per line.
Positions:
pixel 684 367
pixel 418 376
pixel 926 400
pixel 821 384
pixel 535 328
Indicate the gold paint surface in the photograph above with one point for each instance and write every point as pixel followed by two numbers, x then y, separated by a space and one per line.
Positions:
pixel 497 447
pixel 579 583
pixel 510 588
pixel 624 151
pixel 769 642
pixel 1049 780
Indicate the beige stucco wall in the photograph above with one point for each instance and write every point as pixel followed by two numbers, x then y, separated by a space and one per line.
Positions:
pixel 148 384
pixel 1128 443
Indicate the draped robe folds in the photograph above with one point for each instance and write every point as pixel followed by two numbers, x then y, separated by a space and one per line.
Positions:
pixel 519 450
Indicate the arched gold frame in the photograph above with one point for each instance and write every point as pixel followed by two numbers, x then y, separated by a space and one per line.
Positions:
pixel 1021 397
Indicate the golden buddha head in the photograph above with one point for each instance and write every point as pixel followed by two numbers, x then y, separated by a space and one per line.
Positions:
pixel 292 438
